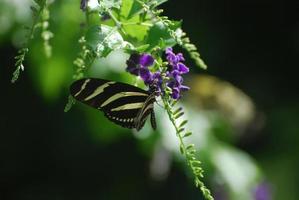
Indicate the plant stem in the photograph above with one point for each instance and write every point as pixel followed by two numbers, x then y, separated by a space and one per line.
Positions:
pixel 117 23
pixel 189 159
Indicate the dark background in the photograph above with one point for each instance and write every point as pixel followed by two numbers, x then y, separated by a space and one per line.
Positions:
pixel 252 44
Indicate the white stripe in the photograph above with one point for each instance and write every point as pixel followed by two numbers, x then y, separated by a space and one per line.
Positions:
pixel 82 87
pixel 120 95
pixel 128 106
pixel 99 90
pixel 147 108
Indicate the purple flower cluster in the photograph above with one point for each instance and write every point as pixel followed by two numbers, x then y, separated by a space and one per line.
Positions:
pixel 139 65
pixel 175 70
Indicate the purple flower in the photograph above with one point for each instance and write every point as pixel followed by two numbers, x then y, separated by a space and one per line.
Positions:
pixel 175 93
pixel 172 58
pixel 146 60
pixel 184 88
pixel 177 77
pixel 138 64
pixel 175 70
pixel 262 192
pixel 146 75
pixel 83 4
pixel 183 69
pixel 132 64
pixel 137 61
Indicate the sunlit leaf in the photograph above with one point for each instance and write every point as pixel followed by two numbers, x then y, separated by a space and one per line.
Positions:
pixel 104 39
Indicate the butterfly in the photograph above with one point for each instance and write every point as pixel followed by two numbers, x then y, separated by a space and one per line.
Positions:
pixel 123 104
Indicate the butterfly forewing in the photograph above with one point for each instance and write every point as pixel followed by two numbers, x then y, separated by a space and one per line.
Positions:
pixel 121 103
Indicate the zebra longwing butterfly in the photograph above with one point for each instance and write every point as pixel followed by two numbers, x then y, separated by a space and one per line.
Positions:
pixel 123 104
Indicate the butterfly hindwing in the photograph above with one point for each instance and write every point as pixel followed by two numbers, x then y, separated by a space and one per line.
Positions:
pixel 123 104
pixel 145 111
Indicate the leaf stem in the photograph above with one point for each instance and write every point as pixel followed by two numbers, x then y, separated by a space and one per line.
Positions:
pixel 117 23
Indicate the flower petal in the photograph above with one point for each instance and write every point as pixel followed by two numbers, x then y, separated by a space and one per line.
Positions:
pixel 184 88
pixel 146 75
pixel 175 93
pixel 180 57
pixel 132 64
pixel 183 69
pixel 146 60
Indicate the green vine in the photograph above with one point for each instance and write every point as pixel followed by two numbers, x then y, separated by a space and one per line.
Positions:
pixel 192 50
pixel 188 151
pixel 41 16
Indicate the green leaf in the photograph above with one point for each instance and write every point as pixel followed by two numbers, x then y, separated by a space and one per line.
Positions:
pixel 70 103
pixel 130 8
pixel 182 149
pixel 187 134
pixel 16 75
pixel 159 35
pixel 179 115
pixel 135 30
pixel 135 9
pixel 183 123
pixel 104 39
pixel 125 8
pixel 190 146
pixel 142 48
pixel 177 110
pixel 181 130
pixel 191 152
pixel 196 162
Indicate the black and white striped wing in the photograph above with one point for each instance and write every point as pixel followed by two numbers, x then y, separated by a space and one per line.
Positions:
pixel 121 103
pixel 145 111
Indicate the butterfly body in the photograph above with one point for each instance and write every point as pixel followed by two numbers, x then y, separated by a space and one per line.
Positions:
pixel 123 104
